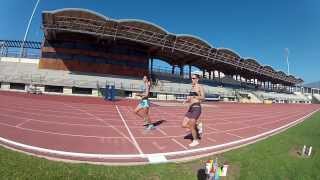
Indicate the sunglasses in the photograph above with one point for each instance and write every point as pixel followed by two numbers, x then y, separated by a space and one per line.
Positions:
pixel 194 78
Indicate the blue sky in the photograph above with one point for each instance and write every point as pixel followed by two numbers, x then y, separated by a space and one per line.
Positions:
pixel 256 29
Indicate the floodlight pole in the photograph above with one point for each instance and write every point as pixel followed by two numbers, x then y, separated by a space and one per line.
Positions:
pixel 287 59
pixel 27 30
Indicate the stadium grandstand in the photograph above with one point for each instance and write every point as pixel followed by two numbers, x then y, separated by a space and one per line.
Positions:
pixel 83 51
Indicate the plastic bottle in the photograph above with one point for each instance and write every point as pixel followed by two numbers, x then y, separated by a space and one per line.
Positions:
pixel 208 167
pixel 215 165
pixel 303 150
pixel 310 149
pixel 215 168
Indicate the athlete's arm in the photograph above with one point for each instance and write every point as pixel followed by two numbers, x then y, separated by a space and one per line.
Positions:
pixel 146 93
pixel 201 95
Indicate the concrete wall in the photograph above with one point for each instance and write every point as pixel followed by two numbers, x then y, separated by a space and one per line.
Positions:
pixel 23 60
pixel 67 90
pixel 5 86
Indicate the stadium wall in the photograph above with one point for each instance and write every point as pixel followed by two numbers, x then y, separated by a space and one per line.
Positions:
pixel 84 54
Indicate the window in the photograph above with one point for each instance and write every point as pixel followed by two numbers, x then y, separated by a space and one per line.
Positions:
pixel 56 89
pixel 17 86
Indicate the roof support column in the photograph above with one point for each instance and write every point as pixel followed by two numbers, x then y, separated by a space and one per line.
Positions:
pixel 189 71
pixel 172 70
pixel 181 70
pixel 151 66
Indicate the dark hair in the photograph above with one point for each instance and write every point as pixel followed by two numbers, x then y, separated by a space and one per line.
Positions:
pixel 149 78
pixel 197 75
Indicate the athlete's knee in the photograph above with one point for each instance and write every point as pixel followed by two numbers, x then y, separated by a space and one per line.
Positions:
pixel 184 123
pixel 136 111
pixel 192 123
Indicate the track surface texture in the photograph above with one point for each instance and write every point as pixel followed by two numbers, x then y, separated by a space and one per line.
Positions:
pixel 97 131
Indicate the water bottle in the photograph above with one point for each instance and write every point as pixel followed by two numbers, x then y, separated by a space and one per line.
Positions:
pixel 303 150
pixel 217 174
pixel 215 165
pixel 208 167
pixel 310 149
pixel 216 170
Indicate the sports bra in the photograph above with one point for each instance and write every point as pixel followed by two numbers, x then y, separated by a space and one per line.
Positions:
pixel 192 93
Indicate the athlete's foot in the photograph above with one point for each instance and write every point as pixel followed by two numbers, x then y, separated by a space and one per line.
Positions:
pixel 150 126
pixel 146 123
pixel 200 129
pixel 194 143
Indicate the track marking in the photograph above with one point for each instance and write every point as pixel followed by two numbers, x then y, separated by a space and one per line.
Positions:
pixel 183 146
pixel 20 124
pixel 178 136
pixel 99 119
pixel 158 146
pixel 235 135
pixel 61 134
pixel 212 140
pixel 262 128
pixel 132 137
pixel 213 129
pixel 87 155
pixel 43 115
pixel 162 132
pixel 157 159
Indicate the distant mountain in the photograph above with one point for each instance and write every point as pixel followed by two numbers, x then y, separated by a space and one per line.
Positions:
pixel 313 85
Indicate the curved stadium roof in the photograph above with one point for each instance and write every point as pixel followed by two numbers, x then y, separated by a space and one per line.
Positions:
pixel 177 48
pixel 143 25
pixel 229 51
pixel 194 39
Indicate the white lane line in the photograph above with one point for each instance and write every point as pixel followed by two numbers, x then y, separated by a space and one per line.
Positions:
pixel 63 134
pixel 235 135
pixel 87 155
pixel 18 125
pixel 51 122
pixel 213 129
pixel 183 146
pixel 101 120
pixel 130 133
pixel 162 132
pixel 158 146
pixel 262 128
pixel 157 159
pixel 43 115
pixel 210 139
pixel 124 136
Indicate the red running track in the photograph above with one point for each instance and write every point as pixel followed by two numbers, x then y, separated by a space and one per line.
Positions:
pixel 94 130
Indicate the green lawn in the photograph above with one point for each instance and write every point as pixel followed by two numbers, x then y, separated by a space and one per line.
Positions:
pixel 273 158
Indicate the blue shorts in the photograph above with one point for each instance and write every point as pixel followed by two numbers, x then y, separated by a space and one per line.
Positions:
pixel 144 103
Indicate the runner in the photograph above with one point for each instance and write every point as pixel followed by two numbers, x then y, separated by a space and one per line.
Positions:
pixel 142 110
pixel 190 120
